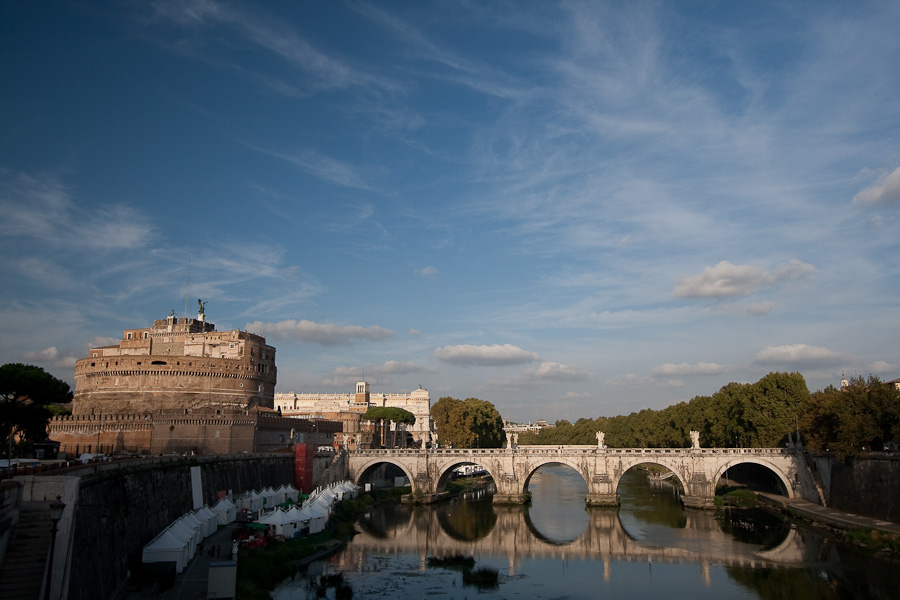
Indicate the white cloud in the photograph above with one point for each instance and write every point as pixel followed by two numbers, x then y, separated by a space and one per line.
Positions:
pixel 885 190
pixel 799 356
pixel 724 280
pixel 49 356
pixel 794 270
pixel 882 366
pixel 46 354
pixel 554 371
pixel 326 334
pixel 414 332
pixel 494 355
pixel 426 271
pixel 702 368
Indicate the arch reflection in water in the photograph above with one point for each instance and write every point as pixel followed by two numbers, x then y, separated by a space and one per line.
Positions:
pixel 557 513
pixel 698 556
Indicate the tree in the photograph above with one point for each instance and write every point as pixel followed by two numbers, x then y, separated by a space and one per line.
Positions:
pixel 25 393
pixel 390 414
pixel 855 418
pixel 469 423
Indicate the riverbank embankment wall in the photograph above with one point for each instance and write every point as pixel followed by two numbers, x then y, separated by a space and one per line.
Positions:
pixel 867 486
pixel 114 509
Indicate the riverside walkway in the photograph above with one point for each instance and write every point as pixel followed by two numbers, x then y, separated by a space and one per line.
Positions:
pixel 828 516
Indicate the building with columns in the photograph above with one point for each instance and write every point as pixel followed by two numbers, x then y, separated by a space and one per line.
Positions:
pixel 349 407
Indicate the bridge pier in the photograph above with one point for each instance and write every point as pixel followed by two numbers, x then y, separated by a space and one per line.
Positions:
pixel 511 499
pixel 702 502
pixel 602 500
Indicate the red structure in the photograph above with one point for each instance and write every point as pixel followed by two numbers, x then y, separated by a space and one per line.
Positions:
pixel 303 467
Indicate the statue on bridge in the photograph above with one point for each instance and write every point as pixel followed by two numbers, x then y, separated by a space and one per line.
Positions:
pixel 601 444
pixel 695 440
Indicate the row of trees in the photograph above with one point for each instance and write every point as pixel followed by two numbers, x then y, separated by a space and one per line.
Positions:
pixel 27 398
pixel 850 420
pixel 863 415
pixel 469 423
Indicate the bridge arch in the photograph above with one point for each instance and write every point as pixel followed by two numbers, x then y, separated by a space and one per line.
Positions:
pixel 446 470
pixel 672 465
pixel 752 460
pixel 556 460
pixel 368 466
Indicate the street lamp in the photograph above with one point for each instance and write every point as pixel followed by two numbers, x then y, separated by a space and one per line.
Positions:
pixel 56 512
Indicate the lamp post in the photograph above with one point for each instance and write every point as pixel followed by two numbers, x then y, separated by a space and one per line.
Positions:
pixel 56 511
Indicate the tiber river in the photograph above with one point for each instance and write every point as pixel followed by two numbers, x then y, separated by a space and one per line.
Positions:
pixel 556 549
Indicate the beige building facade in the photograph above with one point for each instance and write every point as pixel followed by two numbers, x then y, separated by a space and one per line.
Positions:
pixel 349 407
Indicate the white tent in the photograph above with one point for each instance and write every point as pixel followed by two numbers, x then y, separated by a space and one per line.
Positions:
pixel 166 548
pixel 208 520
pixel 317 516
pixel 281 522
pixel 256 501
pixel 191 520
pixel 349 489
pixel 278 496
pixel 225 511
pixel 297 515
pixel 323 500
pixel 245 501
pixel 289 491
pixel 186 535
pixel 268 498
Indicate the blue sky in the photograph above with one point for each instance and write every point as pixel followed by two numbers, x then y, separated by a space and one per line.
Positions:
pixel 569 209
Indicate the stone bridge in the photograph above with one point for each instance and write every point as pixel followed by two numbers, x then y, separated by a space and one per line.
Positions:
pixel 696 469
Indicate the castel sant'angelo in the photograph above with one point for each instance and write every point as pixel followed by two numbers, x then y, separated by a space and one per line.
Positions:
pixel 178 386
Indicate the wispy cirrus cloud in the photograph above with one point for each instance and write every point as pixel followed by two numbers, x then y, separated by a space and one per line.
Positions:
pixel 41 208
pixel 323 71
pixel 883 191
pixel 325 334
pixel 680 370
pixel 485 356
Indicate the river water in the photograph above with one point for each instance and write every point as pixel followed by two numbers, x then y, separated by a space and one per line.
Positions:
pixel 556 549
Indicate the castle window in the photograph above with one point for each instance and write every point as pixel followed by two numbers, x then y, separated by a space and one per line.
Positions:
pixel 128 336
pixel 146 334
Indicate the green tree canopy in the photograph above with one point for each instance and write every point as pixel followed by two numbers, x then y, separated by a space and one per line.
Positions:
pixel 469 423
pixel 739 414
pixel 25 393
pixel 390 413
pixel 852 419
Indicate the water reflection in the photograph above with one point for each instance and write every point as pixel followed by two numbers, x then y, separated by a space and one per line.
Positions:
pixel 554 548
pixel 557 514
